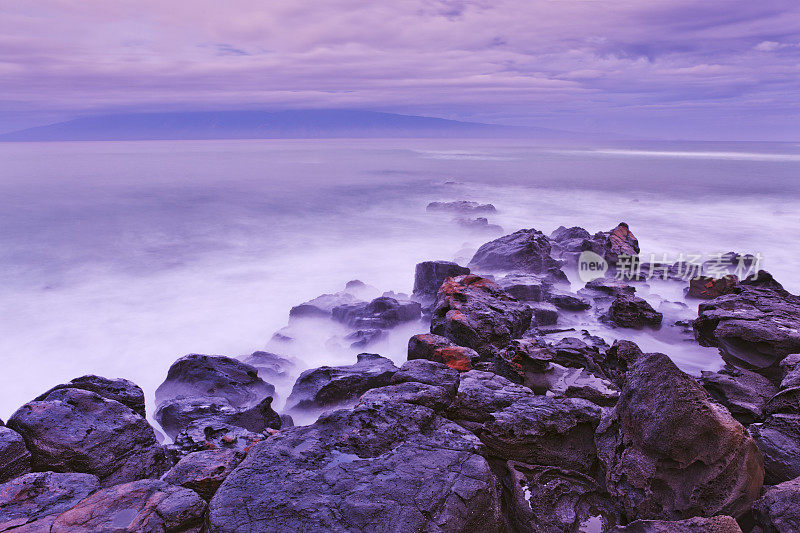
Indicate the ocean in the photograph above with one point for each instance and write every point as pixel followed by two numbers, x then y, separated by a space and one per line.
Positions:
pixel 117 258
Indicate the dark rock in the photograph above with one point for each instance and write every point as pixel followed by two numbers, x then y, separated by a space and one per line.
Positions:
pixel 475 312
pixel 429 276
pixel 381 313
pixel 364 337
pixel 634 312
pixel 618 358
pixel 525 287
pixel 479 224
pixel 605 287
pixel 778 510
pixel 15 459
pixel 778 438
pixel 377 467
pixel 621 241
pixel 568 301
pixel 546 498
pixel 332 385
pixel 124 391
pixel 562 234
pixel 146 505
pixel 755 327
pixel 574 353
pixel 526 250
pixel 706 288
pixel 199 376
pixel 177 415
pixel 430 396
pixel 74 430
pixel 212 434
pixel 322 306
pixel 204 471
pixel 441 350
pixel 544 313
pixel 428 372
pixel 670 453
pixel 785 401
pixel 744 393
pixel 270 367
pixel 790 368
pixel 563 382
pixel 715 524
pixel 31 502
pixel 516 424
pixel 462 207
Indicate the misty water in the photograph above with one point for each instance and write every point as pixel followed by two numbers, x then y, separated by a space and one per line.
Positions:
pixel 116 258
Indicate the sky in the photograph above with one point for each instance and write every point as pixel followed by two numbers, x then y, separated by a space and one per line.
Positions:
pixel 699 69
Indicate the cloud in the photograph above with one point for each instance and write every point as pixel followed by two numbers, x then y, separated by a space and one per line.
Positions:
pixel 559 62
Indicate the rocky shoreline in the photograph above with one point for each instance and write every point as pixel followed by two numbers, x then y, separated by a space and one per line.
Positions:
pixel 505 417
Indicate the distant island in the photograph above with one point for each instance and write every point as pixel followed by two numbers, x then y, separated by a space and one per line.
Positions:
pixel 327 123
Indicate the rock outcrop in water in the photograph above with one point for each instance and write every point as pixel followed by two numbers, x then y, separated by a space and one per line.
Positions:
pixel 512 415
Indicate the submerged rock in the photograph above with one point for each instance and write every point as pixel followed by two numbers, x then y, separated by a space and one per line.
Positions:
pixel 670 453
pixel 429 276
pixel 475 312
pixel 755 327
pixel 32 502
pixel 74 430
pixel 145 505
pixel 333 385
pixel 527 250
pixel 546 498
pixel 15 459
pixel 121 390
pixel 379 465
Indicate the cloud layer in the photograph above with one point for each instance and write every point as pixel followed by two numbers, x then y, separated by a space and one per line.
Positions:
pixel 669 68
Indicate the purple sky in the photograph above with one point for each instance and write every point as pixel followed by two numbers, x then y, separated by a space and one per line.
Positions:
pixel 712 69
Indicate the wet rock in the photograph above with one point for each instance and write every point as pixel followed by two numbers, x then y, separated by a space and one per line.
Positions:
pixel 618 358
pixel 525 287
pixel 562 382
pixel 744 393
pixel 31 502
pixel 177 415
pixel 526 250
pixel 568 301
pixel 778 438
pixel 778 510
pixel 621 241
pixel 785 401
pixel 790 368
pixel 212 434
pixel 634 312
pixel 514 423
pixel 479 224
pixel 755 327
pixel 430 396
pixel 15 459
pixel 670 453
pixel 715 524
pixel 364 337
pixel 706 288
pixel 441 350
pixel 269 366
pixel 381 313
pixel 475 312
pixel 544 313
pixel 546 498
pixel 378 465
pixel 124 391
pixel 462 207
pixel 212 376
pixel 145 505
pixel 74 430
pixel 607 287
pixel 574 353
pixel 429 276
pixel 204 471
pixel 332 385
pixel 428 372
pixel 322 306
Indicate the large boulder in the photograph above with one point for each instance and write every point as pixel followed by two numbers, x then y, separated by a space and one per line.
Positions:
pixel 429 276
pixel 15 459
pixel 634 312
pixel 744 393
pixel 706 288
pixel 547 498
pixel 516 424
pixel 527 250
pixel 621 241
pixel 475 312
pixel 74 430
pixel 778 510
pixel 176 415
pixel 204 471
pixel 670 453
pixel 145 505
pixel 420 382
pixel 441 350
pixel 378 467
pixel 383 312
pixel 124 391
pixel 755 327
pixel 335 385
pixel 198 376
pixel 31 502
pixel 715 524
pixel 778 438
